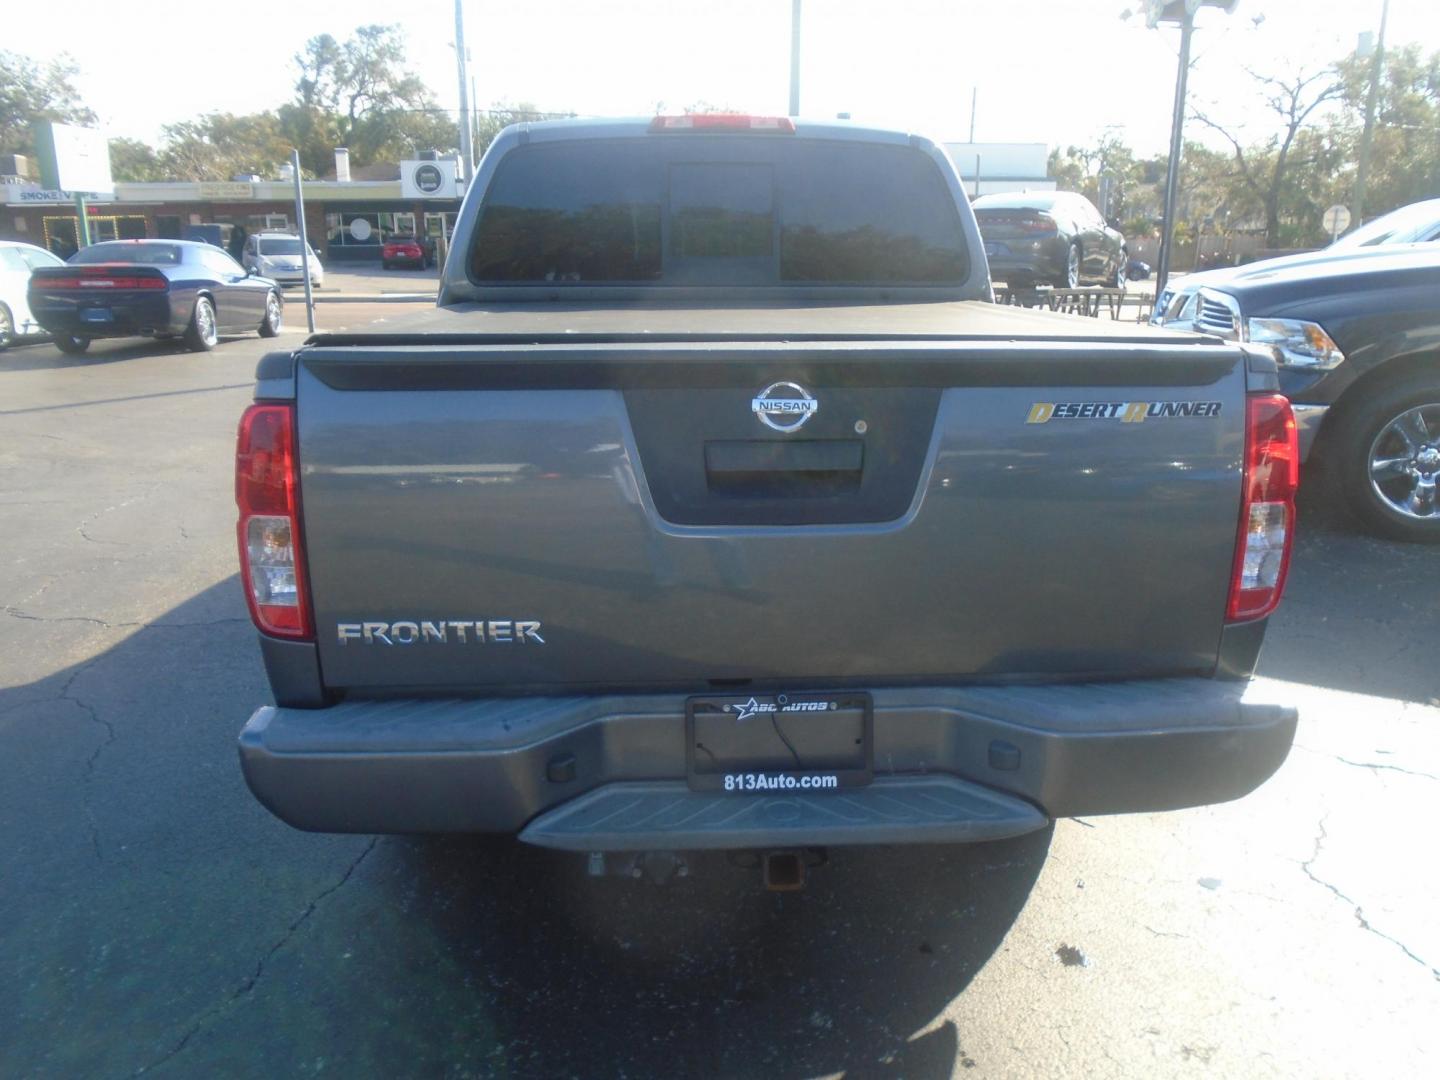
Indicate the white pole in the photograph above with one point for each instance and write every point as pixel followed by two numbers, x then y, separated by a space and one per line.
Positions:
pixel 304 243
pixel 467 157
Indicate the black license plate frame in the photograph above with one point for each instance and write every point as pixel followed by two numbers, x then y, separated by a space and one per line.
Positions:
pixel 830 748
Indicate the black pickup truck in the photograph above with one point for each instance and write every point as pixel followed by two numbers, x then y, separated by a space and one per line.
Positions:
pixel 717 506
pixel 1356 335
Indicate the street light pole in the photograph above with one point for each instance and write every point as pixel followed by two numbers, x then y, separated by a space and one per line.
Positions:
pixel 1362 170
pixel 794 57
pixel 466 156
pixel 1177 142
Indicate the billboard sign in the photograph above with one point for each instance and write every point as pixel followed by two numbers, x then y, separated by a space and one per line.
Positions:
pixel 74 158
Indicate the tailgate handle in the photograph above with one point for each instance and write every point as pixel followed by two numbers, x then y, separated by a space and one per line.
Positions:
pixel 772 467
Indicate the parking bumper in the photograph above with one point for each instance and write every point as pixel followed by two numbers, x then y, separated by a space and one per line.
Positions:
pixel 498 765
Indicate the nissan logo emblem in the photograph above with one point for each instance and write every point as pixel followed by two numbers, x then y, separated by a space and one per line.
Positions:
pixel 784 406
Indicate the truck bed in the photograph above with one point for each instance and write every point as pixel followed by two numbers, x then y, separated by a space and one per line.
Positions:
pixel 970 320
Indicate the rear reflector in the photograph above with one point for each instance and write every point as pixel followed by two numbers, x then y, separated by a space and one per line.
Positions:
pixel 267 491
pixel 1267 508
pixel 724 122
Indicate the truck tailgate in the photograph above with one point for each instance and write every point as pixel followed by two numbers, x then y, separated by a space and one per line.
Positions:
pixel 612 513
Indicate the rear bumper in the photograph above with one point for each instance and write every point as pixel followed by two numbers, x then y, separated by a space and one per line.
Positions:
pixel 123 317
pixel 951 764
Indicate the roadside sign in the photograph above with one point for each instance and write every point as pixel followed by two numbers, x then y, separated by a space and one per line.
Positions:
pixel 1336 221
pixel 428 180
pixel 74 158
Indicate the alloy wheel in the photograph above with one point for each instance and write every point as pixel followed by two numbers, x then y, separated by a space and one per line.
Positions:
pixel 1404 463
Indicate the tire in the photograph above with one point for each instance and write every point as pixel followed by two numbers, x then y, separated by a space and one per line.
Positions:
pixel 1117 279
pixel 201 334
pixel 7 328
pixel 274 316
pixel 71 345
pixel 1387 447
pixel 1070 277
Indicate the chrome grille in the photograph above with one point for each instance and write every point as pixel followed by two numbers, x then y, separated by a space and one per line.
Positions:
pixel 1216 317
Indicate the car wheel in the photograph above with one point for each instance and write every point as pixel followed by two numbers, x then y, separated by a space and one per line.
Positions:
pixel 274 316
pixel 201 335
pixel 1117 279
pixel 7 328
pixel 71 345
pixel 1389 450
pixel 1070 277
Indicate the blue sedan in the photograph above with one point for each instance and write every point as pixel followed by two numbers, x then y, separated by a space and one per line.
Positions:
pixel 153 288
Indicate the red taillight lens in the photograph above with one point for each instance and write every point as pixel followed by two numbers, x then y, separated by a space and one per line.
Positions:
pixel 267 491
pixel 781 125
pixel 102 281
pixel 1267 508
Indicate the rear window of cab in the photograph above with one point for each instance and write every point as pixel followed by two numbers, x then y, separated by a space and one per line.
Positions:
pixel 723 210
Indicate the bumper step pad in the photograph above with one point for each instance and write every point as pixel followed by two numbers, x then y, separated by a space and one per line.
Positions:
pixel 656 815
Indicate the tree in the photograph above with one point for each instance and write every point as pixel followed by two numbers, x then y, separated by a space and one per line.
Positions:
pixel 31 92
pixel 359 94
pixel 1265 168
pixel 1405 147
pixel 218 146
pixel 133 160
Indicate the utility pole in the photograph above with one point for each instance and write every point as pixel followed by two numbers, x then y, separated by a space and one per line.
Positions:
pixel 467 158
pixel 794 57
pixel 1177 142
pixel 974 100
pixel 1362 171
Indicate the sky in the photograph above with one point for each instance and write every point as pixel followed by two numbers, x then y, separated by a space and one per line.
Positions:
pixel 1061 72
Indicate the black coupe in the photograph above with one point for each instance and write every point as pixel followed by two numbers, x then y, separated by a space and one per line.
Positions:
pixel 1050 237
pixel 153 288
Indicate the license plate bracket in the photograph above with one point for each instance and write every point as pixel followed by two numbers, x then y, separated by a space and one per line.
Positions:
pixel 796 742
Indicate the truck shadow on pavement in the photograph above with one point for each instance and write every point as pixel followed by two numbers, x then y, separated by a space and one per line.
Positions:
pixel 158 920
pixel 711 975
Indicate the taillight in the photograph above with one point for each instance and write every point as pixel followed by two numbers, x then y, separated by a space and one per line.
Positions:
pixel 102 281
pixel 1038 223
pixel 267 490
pixel 1267 508
pixel 781 125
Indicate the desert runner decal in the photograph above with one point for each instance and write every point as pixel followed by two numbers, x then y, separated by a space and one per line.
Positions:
pixel 1127 412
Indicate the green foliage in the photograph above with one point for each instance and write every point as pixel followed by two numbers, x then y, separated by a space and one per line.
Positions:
pixel 1279 185
pixel 133 160
pixel 359 94
pixel 31 92
pixel 219 146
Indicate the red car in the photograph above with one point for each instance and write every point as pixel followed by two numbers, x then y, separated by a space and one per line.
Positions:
pixel 406 251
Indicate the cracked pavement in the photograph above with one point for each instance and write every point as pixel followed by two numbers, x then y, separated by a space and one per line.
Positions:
pixel 158 922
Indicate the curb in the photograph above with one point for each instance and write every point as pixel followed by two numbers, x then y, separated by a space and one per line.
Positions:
pixel 377 298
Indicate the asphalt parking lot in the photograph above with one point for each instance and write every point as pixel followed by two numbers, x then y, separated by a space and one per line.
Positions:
pixel 157 921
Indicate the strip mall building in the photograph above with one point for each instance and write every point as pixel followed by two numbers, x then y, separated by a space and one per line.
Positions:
pixel 347 220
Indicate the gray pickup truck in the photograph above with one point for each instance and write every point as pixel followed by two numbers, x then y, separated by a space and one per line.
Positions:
pixel 716 506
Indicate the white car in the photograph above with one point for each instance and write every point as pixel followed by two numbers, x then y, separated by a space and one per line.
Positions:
pixel 16 262
pixel 277 256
